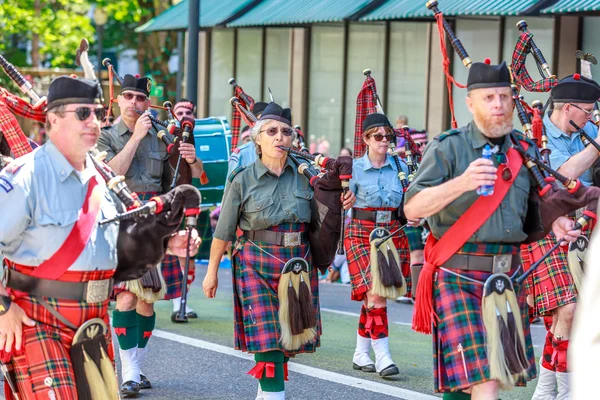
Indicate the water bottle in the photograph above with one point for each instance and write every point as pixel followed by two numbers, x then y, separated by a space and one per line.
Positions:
pixel 486 190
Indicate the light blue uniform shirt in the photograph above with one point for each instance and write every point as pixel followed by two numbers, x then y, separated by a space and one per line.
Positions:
pixel 41 200
pixel 377 187
pixel 565 146
pixel 244 155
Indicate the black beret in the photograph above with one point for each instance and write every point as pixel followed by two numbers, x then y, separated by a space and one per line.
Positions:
pixel 374 120
pixel 259 107
pixel 484 75
pixel 141 85
pixel 274 111
pixel 576 89
pixel 67 90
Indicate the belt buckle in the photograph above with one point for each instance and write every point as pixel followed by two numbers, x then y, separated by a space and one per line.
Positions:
pixel 291 239
pixel 383 217
pixel 97 291
pixel 501 263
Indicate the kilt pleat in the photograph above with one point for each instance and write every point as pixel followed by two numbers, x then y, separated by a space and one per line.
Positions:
pixel 358 249
pixel 256 305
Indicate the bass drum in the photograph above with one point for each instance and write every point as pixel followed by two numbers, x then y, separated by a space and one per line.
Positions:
pixel 212 138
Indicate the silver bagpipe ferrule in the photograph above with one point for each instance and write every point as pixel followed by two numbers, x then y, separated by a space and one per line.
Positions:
pixel 147 209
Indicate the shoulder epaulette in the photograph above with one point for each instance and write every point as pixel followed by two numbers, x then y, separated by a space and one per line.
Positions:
pixel 444 135
pixel 235 172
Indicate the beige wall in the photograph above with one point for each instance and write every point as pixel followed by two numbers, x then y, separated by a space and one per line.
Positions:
pixel 299 54
pixel 568 37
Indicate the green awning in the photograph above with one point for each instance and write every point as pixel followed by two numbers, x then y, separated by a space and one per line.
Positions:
pixel 212 13
pixel 572 6
pixel 407 9
pixel 286 12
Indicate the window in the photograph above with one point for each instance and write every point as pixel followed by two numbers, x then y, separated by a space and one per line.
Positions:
pixel 366 49
pixel 277 66
pixel 221 69
pixel 408 72
pixel 590 43
pixel 325 86
pixel 249 61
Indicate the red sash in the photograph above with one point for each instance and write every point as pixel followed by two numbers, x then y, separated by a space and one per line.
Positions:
pixel 437 252
pixel 54 267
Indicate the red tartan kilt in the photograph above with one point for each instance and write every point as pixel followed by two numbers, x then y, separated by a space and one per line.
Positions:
pixel 357 246
pixel 551 285
pixel 46 345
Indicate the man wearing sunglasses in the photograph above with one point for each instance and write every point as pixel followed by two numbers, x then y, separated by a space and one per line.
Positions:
pixel 553 292
pixel 60 260
pixel 463 254
pixel 133 150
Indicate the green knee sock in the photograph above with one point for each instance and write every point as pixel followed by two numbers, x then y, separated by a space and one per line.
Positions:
pixel 145 326
pixel 125 324
pixel 456 396
pixel 275 384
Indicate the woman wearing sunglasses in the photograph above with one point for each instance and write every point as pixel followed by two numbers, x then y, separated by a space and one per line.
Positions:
pixel 379 196
pixel 271 204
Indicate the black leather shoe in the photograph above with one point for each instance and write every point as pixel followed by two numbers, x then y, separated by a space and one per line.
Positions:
pixel 175 318
pixel 364 368
pixel 130 389
pixel 191 314
pixel 144 382
pixel 389 371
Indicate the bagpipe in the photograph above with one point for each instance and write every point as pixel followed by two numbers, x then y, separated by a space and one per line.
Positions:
pixel 244 101
pixel 173 131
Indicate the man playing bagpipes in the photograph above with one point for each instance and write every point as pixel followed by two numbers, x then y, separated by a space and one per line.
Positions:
pixel 275 261
pixel 133 150
pixel 554 286
pixel 480 326
pixel 54 327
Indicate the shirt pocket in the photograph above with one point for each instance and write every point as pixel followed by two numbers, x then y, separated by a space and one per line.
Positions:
pixel 396 196
pixel 303 200
pixel 155 163
pixel 370 195
pixel 259 213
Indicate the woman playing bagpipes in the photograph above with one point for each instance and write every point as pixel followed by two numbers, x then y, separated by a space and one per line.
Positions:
pixel 275 282
pixel 55 337
pixel 377 252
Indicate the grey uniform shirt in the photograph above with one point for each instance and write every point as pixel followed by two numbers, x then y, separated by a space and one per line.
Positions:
pixel 149 166
pixel 256 199
pixel 41 199
pixel 447 157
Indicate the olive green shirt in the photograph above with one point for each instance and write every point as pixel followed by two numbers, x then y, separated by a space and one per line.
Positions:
pixel 149 166
pixel 447 157
pixel 256 199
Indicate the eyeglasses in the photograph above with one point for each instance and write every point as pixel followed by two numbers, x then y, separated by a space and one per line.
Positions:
pixel 588 113
pixel 138 97
pixel 273 131
pixel 83 113
pixel 379 137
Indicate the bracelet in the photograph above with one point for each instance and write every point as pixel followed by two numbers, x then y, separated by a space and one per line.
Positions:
pixel 5 303
pixel 193 162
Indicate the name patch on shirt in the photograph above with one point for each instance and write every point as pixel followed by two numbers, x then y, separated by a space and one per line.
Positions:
pixel 6 185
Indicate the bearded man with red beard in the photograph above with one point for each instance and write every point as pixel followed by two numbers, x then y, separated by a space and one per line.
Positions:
pixel 473 249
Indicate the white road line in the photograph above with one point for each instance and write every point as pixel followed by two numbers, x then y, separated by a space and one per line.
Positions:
pixel 351 314
pixel 302 369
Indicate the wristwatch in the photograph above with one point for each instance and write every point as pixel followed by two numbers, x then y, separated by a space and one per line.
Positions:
pixel 5 303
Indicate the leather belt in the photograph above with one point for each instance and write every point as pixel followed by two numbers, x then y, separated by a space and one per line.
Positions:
pixel 286 239
pixel 499 263
pixel 89 292
pixel 377 216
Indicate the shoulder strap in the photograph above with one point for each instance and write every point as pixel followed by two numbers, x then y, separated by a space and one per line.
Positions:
pixel 71 249
pixel 437 252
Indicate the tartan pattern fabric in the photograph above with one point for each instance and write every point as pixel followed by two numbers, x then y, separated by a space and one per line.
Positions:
pixel 362 321
pixel 416 150
pixel 170 268
pixel 559 355
pixel 519 69
pixel 236 116
pixel 10 129
pixel 547 351
pixel 358 247
pixel 487 249
pixel 457 303
pixel 551 284
pixel 46 345
pixel 255 277
pixel 377 323
pixel 414 236
pixel 365 105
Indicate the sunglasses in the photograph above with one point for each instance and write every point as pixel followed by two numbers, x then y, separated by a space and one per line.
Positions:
pixel 138 97
pixel 379 137
pixel 184 113
pixel 588 113
pixel 83 113
pixel 273 131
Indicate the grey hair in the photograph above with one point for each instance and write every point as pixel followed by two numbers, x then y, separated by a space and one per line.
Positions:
pixel 58 110
pixel 259 127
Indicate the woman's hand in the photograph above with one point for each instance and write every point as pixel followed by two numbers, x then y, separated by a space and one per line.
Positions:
pixel 348 200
